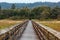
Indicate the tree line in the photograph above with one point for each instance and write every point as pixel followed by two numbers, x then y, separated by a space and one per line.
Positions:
pixel 42 12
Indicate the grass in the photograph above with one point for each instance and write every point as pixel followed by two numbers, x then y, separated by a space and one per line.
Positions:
pixel 52 24
pixel 7 23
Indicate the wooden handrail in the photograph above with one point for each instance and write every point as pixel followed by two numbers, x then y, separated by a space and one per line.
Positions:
pixel 48 33
pixel 15 32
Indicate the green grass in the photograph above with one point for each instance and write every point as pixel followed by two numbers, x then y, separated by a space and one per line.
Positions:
pixel 52 24
pixel 8 23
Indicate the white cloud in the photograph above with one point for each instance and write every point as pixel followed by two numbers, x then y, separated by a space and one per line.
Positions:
pixel 27 1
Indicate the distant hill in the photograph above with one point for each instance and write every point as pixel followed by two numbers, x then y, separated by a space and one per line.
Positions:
pixel 30 5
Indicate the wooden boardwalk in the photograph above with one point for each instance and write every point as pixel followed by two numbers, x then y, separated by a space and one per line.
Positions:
pixel 29 33
pixel 30 30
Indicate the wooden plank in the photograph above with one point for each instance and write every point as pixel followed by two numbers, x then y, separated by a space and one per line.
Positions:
pixel 29 33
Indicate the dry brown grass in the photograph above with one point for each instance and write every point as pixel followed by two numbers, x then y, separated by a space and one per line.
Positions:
pixel 52 24
pixel 8 23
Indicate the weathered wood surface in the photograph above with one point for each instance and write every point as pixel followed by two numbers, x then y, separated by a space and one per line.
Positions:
pixel 52 31
pixel 29 33
pixel 32 31
pixel 49 33
pixel 7 29
pixel 15 32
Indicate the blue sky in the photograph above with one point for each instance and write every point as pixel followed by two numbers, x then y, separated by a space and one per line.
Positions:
pixel 28 1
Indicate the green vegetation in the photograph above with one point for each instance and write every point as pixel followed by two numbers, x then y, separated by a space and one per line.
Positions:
pixel 13 6
pixel 8 23
pixel 41 13
pixel 52 24
pixel 0 7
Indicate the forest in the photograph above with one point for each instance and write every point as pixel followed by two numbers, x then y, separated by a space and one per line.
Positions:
pixel 41 13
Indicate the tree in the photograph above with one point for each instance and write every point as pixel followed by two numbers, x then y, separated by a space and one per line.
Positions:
pixel 0 7
pixel 24 12
pixel 46 12
pixel 55 12
pixel 37 12
pixel 13 6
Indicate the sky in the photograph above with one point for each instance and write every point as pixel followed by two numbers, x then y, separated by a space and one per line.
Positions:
pixel 28 1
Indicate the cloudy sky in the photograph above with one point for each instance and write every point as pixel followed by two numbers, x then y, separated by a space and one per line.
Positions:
pixel 28 1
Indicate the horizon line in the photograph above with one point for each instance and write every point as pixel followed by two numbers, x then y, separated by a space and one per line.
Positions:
pixel 23 2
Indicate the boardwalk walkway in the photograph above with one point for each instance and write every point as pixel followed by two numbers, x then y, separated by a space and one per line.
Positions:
pixel 28 30
pixel 29 33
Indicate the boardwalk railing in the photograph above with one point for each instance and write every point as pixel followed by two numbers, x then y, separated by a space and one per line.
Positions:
pixel 45 33
pixel 15 32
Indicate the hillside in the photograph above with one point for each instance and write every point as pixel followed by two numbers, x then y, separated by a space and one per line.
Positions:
pixel 30 5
